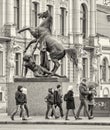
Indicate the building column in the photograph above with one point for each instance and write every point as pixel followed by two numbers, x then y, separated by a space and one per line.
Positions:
pixel 70 15
pixel 10 12
pixel 76 16
pixel 92 17
pixel 77 37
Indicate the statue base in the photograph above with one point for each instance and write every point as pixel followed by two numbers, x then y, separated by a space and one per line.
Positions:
pixel 37 90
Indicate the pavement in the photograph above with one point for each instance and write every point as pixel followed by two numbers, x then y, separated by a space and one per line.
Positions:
pixel 5 119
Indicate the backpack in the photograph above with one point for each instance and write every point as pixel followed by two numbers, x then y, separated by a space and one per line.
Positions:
pixel 65 97
pixel 90 97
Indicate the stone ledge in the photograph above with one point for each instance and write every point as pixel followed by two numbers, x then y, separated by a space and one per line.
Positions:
pixel 42 79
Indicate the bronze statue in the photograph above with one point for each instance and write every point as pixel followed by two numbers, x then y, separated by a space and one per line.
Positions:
pixel 37 70
pixel 46 27
pixel 50 44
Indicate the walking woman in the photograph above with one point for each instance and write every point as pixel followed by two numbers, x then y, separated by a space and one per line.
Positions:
pixel 70 104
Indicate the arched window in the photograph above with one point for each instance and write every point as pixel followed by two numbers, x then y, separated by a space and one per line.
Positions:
pixel 83 20
pixel 35 11
pixel 63 21
pixel 85 67
pixel 1 63
pixel 18 64
pixel 106 92
pixel 104 69
pixel 17 13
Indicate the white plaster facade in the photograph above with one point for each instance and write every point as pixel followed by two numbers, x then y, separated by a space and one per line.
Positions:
pixel 80 31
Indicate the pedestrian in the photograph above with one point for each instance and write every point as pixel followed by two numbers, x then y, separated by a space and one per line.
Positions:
pixel 91 100
pixel 24 91
pixel 50 103
pixel 83 93
pixel 58 100
pixel 70 104
pixel 19 98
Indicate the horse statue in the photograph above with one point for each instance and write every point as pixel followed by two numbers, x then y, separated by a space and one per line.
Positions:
pixel 53 46
pixel 46 27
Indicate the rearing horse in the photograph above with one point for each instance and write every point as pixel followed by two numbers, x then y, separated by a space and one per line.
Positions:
pixel 51 44
pixel 46 27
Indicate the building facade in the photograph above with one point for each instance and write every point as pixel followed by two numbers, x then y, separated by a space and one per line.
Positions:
pixel 74 22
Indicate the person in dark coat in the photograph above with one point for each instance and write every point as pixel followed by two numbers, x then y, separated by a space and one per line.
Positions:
pixel 83 93
pixel 24 91
pixel 50 103
pixel 19 97
pixel 70 104
pixel 58 100
pixel 91 100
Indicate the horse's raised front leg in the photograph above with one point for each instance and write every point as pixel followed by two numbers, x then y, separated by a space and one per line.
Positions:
pixel 56 66
pixel 23 29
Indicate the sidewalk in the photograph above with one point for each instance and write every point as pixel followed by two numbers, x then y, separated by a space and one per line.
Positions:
pixel 4 119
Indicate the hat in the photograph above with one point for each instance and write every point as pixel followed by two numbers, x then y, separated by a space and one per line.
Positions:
pixel 50 90
pixel 84 80
pixel 70 87
pixel 24 90
pixel 58 86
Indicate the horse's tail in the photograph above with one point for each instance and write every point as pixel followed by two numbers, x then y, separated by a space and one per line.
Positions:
pixel 24 29
pixel 72 54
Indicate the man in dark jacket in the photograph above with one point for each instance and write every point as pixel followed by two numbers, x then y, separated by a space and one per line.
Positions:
pixel 50 103
pixel 24 91
pixel 58 99
pixel 83 92
pixel 19 97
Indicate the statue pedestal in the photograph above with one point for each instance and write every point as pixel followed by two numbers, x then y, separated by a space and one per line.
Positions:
pixel 37 90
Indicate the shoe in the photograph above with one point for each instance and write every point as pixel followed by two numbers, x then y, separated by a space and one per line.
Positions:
pixel 50 117
pixel 90 118
pixel 29 117
pixel 56 117
pixel 78 118
pixel 66 119
pixel 47 118
pixel 12 118
pixel 24 119
pixel 62 117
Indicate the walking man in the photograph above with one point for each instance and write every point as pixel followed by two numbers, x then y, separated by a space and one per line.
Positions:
pixel 19 97
pixel 83 92
pixel 58 100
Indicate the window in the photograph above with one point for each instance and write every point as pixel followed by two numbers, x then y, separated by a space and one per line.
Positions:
pixel 104 69
pixel 106 92
pixel 1 63
pixel 16 13
pixel 63 21
pixel 83 20
pixel 85 67
pixel 18 64
pixel 1 96
pixel 35 11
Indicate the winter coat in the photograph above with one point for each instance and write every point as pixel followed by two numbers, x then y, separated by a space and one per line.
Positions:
pixel 83 91
pixel 70 104
pixel 90 97
pixel 50 98
pixel 57 97
pixel 19 96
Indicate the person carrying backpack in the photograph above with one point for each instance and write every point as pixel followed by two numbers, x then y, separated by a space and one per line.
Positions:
pixel 70 104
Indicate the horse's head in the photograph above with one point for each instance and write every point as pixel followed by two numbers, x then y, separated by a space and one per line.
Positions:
pixel 43 14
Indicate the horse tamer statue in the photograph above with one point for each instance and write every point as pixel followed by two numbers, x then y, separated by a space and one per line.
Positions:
pixel 50 44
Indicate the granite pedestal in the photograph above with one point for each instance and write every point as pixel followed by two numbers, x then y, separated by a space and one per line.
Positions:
pixel 37 90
